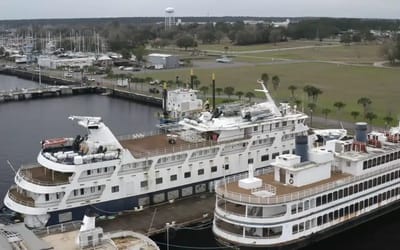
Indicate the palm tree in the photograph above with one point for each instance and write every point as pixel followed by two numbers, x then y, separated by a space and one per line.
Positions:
pixel 370 116
pixel 265 77
pixel 219 90
pixel 355 114
pixel 326 112
pixel 309 90
pixel 365 102
pixel 311 106
pixel 250 95
pixel 229 91
pixel 275 82
pixel 339 105
pixel 239 94
pixel 315 93
pixel 292 89
pixel 297 102
pixel 388 120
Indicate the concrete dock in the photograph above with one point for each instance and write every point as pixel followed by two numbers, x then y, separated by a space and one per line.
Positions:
pixel 152 220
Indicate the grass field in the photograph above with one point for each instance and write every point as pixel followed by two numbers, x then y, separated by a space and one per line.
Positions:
pixel 338 82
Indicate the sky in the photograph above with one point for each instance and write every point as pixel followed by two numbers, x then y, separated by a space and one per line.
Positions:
pixel 35 9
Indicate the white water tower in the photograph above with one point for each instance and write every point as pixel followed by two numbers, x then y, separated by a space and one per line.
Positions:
pixel 169 17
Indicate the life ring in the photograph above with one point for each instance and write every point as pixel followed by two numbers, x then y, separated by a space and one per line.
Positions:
pixel 291 181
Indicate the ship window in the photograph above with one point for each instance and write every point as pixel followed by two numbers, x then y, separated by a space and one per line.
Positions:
pixel 355 188
pixel 397 174
pixel 318 201
pixel 57 196
pixel 250 161
pixel 226 166
pixel 306 205
pixel 295 229
pixel 300 207
pixel 159 180
pixel 105 170
pixel 308 224
pixel 98 188
pixel 200 171
pixel 336 214
pixel 374 184
pixel 173 177
pixel 365 166
pixel 379 180
pixel 98 170
pixel 335 195
pixel 274 155
pixel 89 172
pixel 92 189
pixel 214 169
pixel 392 176
pixel 82 191
pixel 324 199
pixel 277 125
pixel 301 227
pixel 340 193
pixel 265 158
pixel 319 221
pixel 47 197
pixel 345 192
pixel 255 128
pixel 350 190
pixel 286 152
pixel 284 123
pixel 115 189
pixel 361 205
pixel 143 184
pixel 330 216
pixel 360 187
pixel 391 156
pixel 341 212
pixel 187 175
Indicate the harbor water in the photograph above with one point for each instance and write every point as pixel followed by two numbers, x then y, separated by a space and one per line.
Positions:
pixel 24 124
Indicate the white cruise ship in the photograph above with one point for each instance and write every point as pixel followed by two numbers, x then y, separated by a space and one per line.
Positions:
pixel 111 174
pixel 311 195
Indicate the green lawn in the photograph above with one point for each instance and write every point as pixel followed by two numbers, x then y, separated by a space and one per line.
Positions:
pixel 338 83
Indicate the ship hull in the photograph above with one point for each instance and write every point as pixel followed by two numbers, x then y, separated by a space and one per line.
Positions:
pixel 113 207
pixel 326 233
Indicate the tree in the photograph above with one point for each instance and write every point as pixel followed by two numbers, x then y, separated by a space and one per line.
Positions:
pixel 250 95
pixel 126 54
pixel 229 91
pixel 275 36
pixel 346 38
pixel 370 116
pixel 196 83
pixel 339 105
pixel 315 93
pixel 204 90
pixel 297 102
pixel 311 106
pixel 239 94
pixel 219 90
pixel 388 119
pixel 292 89
pixel 365 102
pixel 265 78
pixel 308 89
pixel 355 114
pixel 275 82
pixel 326 112
pixel 186 41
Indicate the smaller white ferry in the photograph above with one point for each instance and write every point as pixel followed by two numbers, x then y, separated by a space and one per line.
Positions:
pixel 311 195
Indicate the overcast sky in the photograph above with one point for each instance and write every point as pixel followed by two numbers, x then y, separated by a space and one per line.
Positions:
pixel 28 9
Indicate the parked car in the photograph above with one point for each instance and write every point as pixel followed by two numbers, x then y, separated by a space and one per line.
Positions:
pixel 223 59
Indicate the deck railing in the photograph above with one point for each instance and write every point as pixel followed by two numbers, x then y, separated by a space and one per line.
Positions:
pixel 220 188
pixel 20 198
pixel 24 173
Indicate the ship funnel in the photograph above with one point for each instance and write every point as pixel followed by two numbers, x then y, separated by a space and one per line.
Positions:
pixel 88 222
pixel 361 132
pixel 302 147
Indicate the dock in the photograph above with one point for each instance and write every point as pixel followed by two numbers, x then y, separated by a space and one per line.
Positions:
pixel 57 87
pixel 153 220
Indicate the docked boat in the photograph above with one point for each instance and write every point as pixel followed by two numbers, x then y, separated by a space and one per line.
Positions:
pixel 111 174
pixel 312 195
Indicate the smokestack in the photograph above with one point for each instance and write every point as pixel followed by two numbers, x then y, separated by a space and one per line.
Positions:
pixel 361 132
pixel 302 147
pixel 213 91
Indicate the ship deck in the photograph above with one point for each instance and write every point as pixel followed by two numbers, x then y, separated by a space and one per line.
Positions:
pixel 282 189
pixel 43 176
pixel 158 144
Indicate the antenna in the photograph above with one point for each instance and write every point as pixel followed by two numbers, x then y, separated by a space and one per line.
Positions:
pixel 11 166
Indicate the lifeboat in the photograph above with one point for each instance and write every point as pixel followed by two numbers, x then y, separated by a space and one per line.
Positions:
pixel 54 143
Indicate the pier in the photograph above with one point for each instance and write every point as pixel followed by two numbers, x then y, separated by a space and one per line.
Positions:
pixel 57 87
pixel 153 220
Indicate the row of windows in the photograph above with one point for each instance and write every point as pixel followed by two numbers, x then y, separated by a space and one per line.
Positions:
pixel 99 170
pixel 339 213
pixel 321 200
pixel 274 155
pixel 180 157
pixel 174 177
pixel 381 160
pixel 82 191
pixel 284 124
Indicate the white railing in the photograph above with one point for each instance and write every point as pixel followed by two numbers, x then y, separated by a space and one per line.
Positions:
pixel 266 187
pixel 245 198
pixel 25 174
pixel 59 228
